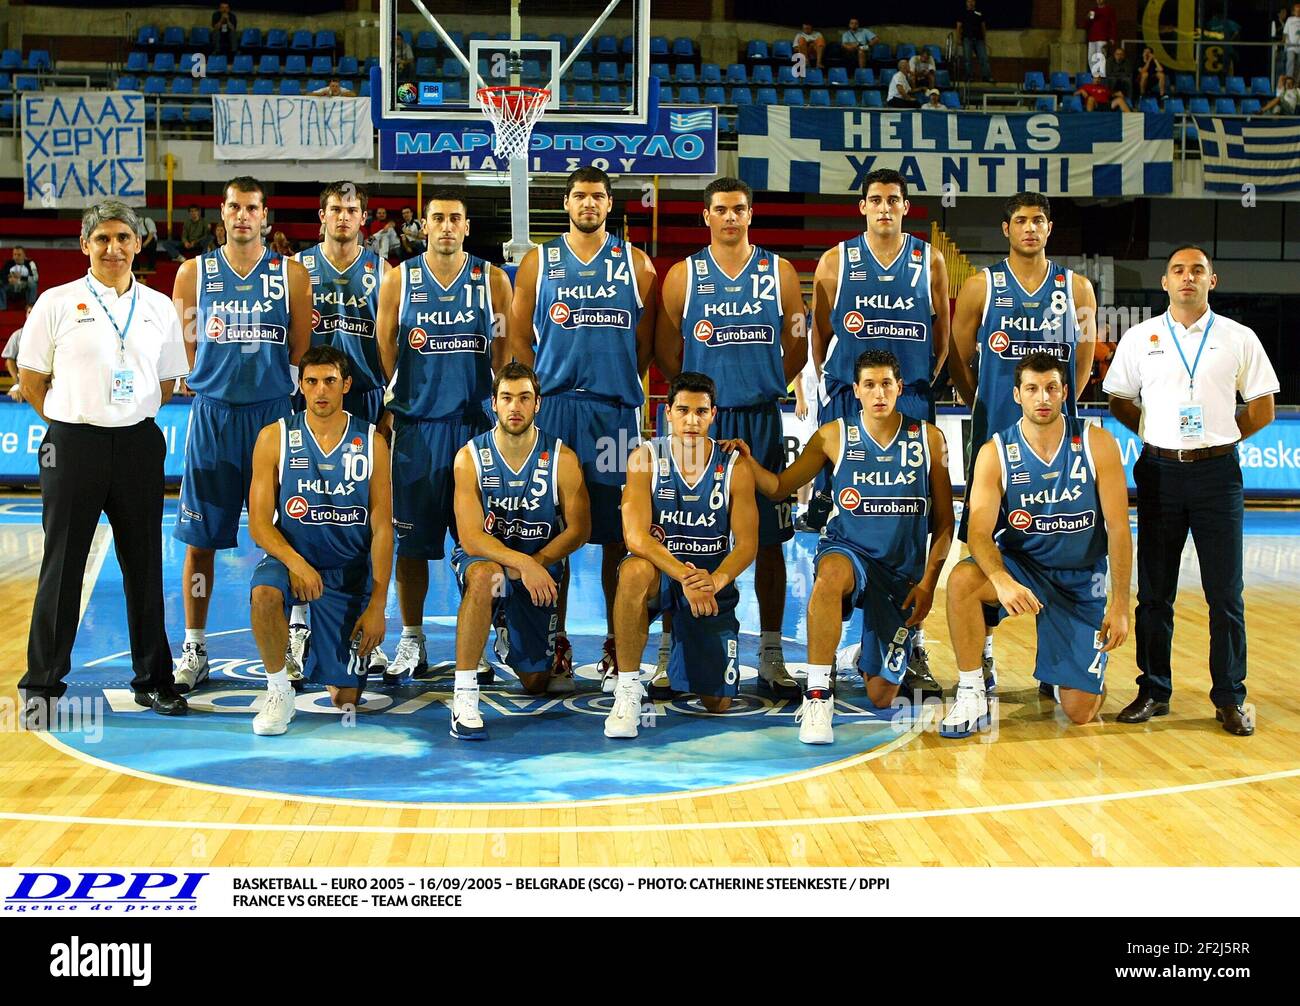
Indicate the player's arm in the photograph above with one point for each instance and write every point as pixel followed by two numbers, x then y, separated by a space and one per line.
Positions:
pixel 822 446
pixel 647 284
pixel 744 529
pixel 369 628
pixel 575 506
pixel 519 333
pixel 794 327
pixel 390 296
pixel 824 281
pixel 985 503
pixel 186 301
pixel 304 582
pixel 965 332
pixel 1112 493
pixel 668 327
pixel 942 316
pixel 636 519
pixel 502 294
pixel 1085 310
pixel 300 308
pixel 921 596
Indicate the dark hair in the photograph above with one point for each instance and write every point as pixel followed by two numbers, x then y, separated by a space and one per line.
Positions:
pixel 516 371
pixel 1189 247
pixel 588 174
pixel 884 176
pixel 446 196
pixel 1025 199
pixel 325 356
pixel 728 185
pixel 877 358
pixel 1041 362
pixel 343 190
pixel 244 183
pixel 195 206
pixel 690 380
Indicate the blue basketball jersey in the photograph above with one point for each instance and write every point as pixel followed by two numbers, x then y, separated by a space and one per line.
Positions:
pixel 881 494
pixel 584 322
pixel 1015 324
pixel 1050 510
pixel 444 342
pixel 732 327
pixel 520 508
pixel 692 521
pixel 242 351
pixel 882 306
pixel 324 509
pixel 344 305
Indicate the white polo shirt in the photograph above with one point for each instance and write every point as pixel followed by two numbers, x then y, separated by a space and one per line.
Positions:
pixel 68 335
pixel 1147 369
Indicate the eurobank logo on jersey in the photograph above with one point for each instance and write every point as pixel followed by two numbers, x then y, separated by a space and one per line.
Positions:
pixel 133 892
pixel 589 317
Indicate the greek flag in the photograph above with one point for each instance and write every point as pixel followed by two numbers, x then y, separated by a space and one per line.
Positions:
pixel 1264 153
pixel 690 122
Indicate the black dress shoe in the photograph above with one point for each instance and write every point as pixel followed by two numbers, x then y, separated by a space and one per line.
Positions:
pixel 164 703
pixel 1236 720
pixel 38 713
pixel 1142 709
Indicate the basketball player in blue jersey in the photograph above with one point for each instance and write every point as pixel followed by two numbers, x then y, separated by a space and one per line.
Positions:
pixel 1048 503
pixel 1023 304
pixel 891 492
pixel 441 327
pixel 743 319
pixel 884 289
pixel 584 319
pixel 691 523
pixel 246 314
pixel 521 508
pixel 320 507
pixel 345 278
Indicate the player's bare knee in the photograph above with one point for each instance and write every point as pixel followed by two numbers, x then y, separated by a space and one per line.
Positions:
pixel 266 602
pixel 483 579
pixel 881 693
pixel 834 576
pixel 965 579
pixel 637 573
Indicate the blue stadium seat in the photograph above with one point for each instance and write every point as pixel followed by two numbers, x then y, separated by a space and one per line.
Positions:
pixel 250 38
pixel 124 83
pixel 658 45
pixel 785 76
pixel 277 39
pixel 737 74
pixel 793 96
pixel 1184 83
pixel 348 66
pixel 242 63
pixel 1225 106
pixel 1033 80
pixel 1261 87
pixel 757 49
pixel 174 38
pixel 819 97
pixel 210 85
pixel 200 38
pixel 715 95
pixel 290 87
pixel 451 89
pixel 606 45
pixel 864 76
pixel 608 71
pixel 183 85
pixel 686 74
pixel 688 95
pixel 942 79
pixel 845 98
pixel 269 65
pixel 710 73
pixel 839 77
pixel 683 47
pixel 1192 133
pixel 1082 79
pixel 587 50
pixel 1060 82
pixel 136 61
pixel 950 99
pixel 882 53
pixel 816 77
pixel 762 75
pixel 164 62
pixel 1211 85
pixel 582 71
pixel 452 67
pixel 201 113
pixel 584 94
pixel 1250 106
pixel 1236 86
pixel 742 96
pixel 1072 103
pixel 425 43
pixel 1043 104
pixel 628 75
pixel 29 83
pixel 322 65
pixel 1199 106
pixel 317 84
pixel 610 94
pixel 532 72
pixel 218 63
pixel 7 111
pixel 872 99
pixel 236 85
pixel 302 40
pixel 783 51
pixel 12 59
pixel 186 63
pixel 295 63
pixel 561 40
pixel 1175 106
pixel 173 114
pixel 325 43
pixel 152 85
pixel 1149 106
pixel 766 96
pixel 905 51
pixel 934 51
pixel 147 35
pixel 264 85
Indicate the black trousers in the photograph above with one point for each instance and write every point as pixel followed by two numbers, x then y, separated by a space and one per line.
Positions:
pixel 86 471
pixel 1205 498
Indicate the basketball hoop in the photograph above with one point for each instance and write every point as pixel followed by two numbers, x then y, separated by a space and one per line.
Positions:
pixel 513 110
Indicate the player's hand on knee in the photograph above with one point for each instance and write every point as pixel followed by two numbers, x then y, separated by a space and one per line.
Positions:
pixel 539 583
pixel 919 600
pixel 1018 599
pixel 1114 628
pixel 305 582
pixel 699 600
pixel 698 579
pixel 369 630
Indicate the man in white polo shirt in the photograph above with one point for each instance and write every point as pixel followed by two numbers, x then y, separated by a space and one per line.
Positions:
pixel 99 357
pixel 1174 382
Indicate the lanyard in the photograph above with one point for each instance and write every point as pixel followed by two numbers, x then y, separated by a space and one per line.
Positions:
pixel 1191 371
pixel 121 332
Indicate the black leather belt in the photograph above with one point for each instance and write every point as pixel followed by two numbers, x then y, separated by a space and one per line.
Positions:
pixel 1189 454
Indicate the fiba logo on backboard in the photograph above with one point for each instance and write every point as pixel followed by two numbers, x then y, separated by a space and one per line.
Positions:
pixel 417 338
pixel 296 507
pixel 1020 519
pixel 703 330
pixel 999 342
pixel 559 313
pixel 854 322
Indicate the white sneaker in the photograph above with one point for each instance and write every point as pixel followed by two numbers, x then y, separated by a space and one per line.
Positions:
pixel 846 658
pixel 773 676
pixel 276 713
pixel 969 713
pixel 378 661
pixel 466 721
pixel 561 681
pixel 410 659
pixel 193 669
pixel 608 668
pixel 295 654
pixel 814 719
pixel 623 719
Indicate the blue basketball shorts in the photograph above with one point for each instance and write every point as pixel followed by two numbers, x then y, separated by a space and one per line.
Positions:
pixel 879 592
pixel 333 615
pixel 424 456
pixel 219 468
pixel 603 433
pixel 705 656
pixel 760 427
pixel 525 632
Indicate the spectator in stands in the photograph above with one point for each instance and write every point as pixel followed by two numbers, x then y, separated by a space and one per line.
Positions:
pixel 11 361
pixel 404 57
pixel 384 240
pixel 811 43
pixel 20 279
pixel 1150 75
pixel 334 89
pixel 412 234
pixel 1103 31
pixel 901 88
pixel 1288 96
pixel 281 245
pixel 972 33
pixel 1097 95
pixel 934 102
pixel 1222 27
pixel 225 30
pixel 921 68
pixel 1291 40
pixel 195 238
pixel 218 237
pixel 148 256
pixel 1119 76
pixel 857 42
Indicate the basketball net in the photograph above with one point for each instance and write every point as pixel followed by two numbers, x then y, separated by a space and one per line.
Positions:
pixel 513 111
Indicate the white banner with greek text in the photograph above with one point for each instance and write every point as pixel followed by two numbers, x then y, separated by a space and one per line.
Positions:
pixel 81 148
pixel 276 128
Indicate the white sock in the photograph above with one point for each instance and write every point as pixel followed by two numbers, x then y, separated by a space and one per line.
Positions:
pixel 279 681
pixel 467 681
pixel 971 679
pixel 919 640
pixel 199 636
pixel 1056 693
pixel 988 647
pixel 298 616
pixel 770 640
pixel 412 631
pixel 819 676
pixel 629 679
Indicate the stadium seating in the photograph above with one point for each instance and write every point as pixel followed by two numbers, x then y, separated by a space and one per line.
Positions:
pixel 905 51
pixel 839 77
pixel 123 83
pixel 819 97
pixel 321 66
pixel 783 51
pixel 710 73
pixel 324 44
pixel 268 65
pixel 658 46
pixel 147 35
pixel 348 66
pixel 606 45
pixel 1149 106
pixel 684 47
pixel 1060 82
pixel 1225 106
pixel 845 98
pixel 786 78
pixel 210 85
pixel 1175 106
pixel 757 50
pixel 277 40
pixel 302 41
pixel 200 38
pixel 1236 86
pixel 173 38
pixel 872 99
pixel 295 63
pixel 236 85
pixel 715 94
pixel 250 38
pixel 1261 87
pixel 793 96
pixel 686 74
pixel 264 85
pixel 1072 103
pixel 136 61
pixel 1199 106
pixel 737 74
pixel 1211 86
pixel 689 95
pixel 27 83
pixel 1251 106
pixel 1034 81
pixel 950 99
pixel 164 62
pixel 864 77
pixel 766 96
pixel 218 64
pixel 242 63
pixel 183 85
pixel 742 96
pixel 1044 104
pixel 762 75
pixel 816 77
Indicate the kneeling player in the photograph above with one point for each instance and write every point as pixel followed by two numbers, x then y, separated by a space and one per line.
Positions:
pixel 319 505
pixel 890 491
pixel 691 523
pixel 522 508
pixel 1043 488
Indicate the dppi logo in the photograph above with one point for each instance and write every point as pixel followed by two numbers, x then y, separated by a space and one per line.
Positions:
pixel 559 313
pixel 215 327
pixel 850 498
pixel 854 322
pixel 296 507
pixel 703 330
pixel 999 342
pixel 417 338
pixel 131 892
pixel 315 319
pixel 1020 519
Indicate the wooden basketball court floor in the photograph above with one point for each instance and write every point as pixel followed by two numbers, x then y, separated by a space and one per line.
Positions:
pixel 1176 791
